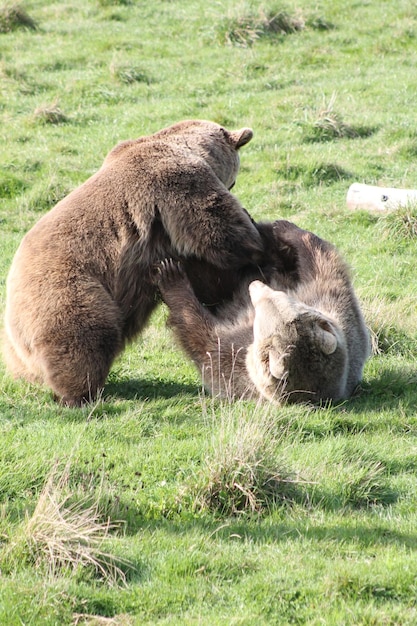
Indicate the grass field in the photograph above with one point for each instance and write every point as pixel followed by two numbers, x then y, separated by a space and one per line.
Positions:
pixel 158 505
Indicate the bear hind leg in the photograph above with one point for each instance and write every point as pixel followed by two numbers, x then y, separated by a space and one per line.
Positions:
pixel 77 370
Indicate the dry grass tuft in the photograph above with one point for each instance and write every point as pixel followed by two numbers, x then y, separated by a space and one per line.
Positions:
pixel 64 535
pixel 50 114
pixel 244 30
pixel 128 74
pixel 240 472
pixel 282 23
pixel 401 223
pixel 328 124
pixel 13 16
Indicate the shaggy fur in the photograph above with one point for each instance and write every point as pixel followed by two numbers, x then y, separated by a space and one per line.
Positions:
pixel 214 288
pixel 302 340
pixel 80 284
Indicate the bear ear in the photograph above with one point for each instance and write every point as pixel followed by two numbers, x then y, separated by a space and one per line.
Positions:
pixel 241 137
pixel 326 337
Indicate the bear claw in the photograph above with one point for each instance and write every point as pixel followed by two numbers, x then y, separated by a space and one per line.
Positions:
pixel 168 272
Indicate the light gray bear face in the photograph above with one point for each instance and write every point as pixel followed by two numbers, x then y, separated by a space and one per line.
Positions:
pixel 297 352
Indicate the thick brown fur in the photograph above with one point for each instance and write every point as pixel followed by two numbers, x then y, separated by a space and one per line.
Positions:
pixel 304 339
pixel 214 287
pixel 80 284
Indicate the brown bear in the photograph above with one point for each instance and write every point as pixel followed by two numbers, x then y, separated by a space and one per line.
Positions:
pixel 301 339
pixel 80 285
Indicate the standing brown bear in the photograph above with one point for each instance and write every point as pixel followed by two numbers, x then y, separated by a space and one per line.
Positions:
pixel 80 285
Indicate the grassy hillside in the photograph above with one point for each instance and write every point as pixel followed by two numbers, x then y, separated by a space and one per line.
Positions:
pixel 157 505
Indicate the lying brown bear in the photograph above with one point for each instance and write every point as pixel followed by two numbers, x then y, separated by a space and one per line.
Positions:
pixel 303 338
pixel 80 284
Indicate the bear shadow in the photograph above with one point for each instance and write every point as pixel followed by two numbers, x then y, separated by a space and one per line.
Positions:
pixel 145 389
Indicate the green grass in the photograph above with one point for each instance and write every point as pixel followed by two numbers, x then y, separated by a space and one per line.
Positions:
pixel 218 514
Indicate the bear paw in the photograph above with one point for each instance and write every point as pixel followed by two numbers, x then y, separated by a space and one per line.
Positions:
pixel 169 273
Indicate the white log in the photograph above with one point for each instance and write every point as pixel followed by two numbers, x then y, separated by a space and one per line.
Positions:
pixel 373 198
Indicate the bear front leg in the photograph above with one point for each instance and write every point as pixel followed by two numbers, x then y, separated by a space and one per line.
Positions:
pixel 193 325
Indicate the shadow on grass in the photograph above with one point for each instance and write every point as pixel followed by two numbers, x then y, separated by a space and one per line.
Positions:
pixel 265 532
pixel 385 392
pixel 394 390
pixel 118 396
pixel 145 389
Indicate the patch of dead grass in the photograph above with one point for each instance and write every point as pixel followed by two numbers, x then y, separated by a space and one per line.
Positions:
pixel 14 16
pixel 50 114
pixel 245 29
pixel 401 223
pixel 62 534
pixel 327 124
pixel 240 472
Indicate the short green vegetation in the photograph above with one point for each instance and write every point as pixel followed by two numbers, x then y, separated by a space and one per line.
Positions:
pixel 158 505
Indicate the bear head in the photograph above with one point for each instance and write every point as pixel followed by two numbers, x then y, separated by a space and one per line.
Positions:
pixel 298 353
pixel 216 145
